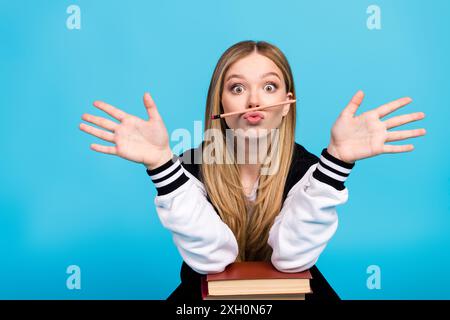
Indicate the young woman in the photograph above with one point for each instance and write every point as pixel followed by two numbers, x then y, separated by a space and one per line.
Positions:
pixel 222 210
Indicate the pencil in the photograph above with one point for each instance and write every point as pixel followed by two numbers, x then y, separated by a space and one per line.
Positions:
pixel 223 115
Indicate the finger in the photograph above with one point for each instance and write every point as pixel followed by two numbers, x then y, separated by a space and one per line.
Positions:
pixel 101 122
pixel 389 148
pixel 404 134
pixel 109 109
pixel 401 120
pixel 387 108
pixel 104 149
pixel 354 103
pixel 150 105
pixel 107 136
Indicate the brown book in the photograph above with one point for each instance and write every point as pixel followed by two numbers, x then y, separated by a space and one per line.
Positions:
pixel 255 280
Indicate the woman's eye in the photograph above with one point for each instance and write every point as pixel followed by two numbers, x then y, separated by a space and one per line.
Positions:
pixel 271 86
pixel 237 89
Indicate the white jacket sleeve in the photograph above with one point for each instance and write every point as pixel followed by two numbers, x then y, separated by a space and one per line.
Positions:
pixel 308 218
pixel 204 241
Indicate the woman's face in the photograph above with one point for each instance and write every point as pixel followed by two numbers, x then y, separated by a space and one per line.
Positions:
pixel 253 81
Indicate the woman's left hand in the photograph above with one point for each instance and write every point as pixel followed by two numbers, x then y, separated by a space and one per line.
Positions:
pixel 354 138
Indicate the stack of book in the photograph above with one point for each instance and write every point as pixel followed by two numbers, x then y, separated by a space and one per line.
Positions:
pixel 255 280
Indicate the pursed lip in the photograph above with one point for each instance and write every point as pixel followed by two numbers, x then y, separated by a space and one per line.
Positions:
pixel 254 114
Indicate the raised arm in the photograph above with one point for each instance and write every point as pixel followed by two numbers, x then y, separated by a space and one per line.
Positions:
pixel 308 218
pixel 206 243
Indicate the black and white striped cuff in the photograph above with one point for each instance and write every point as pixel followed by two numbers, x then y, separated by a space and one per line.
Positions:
pixel 332 171
pixel 169 176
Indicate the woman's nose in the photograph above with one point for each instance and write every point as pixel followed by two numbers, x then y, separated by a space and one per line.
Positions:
pixel 253 105
pixel 253 99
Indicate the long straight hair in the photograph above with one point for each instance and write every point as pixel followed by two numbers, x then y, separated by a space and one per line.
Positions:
pixel 222 180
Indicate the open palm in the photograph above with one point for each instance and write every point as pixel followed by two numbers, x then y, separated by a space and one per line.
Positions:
pixel 135 139
pixel 358 137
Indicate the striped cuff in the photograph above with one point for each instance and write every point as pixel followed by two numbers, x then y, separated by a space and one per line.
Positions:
pixel 168 177
pixel 332 171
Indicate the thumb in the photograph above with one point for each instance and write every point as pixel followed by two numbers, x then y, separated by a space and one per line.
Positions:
pixel 150 105
pixel 354 103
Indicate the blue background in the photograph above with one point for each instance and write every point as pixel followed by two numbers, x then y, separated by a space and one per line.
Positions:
pixel 62 203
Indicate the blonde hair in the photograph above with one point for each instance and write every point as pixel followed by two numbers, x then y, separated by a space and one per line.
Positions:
pixel 251 231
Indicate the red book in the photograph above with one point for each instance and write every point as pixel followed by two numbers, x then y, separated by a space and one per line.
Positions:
pixel 255 280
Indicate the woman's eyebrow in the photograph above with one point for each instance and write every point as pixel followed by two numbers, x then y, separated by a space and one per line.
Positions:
pixel 262 76
pixel 270 74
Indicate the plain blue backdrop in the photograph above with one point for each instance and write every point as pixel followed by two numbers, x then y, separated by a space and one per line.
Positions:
pixel 63 204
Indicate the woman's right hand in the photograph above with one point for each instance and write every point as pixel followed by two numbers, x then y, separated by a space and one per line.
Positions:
pixel 135 139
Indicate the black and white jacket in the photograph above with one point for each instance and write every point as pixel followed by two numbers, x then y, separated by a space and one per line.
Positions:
pixel 306 222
